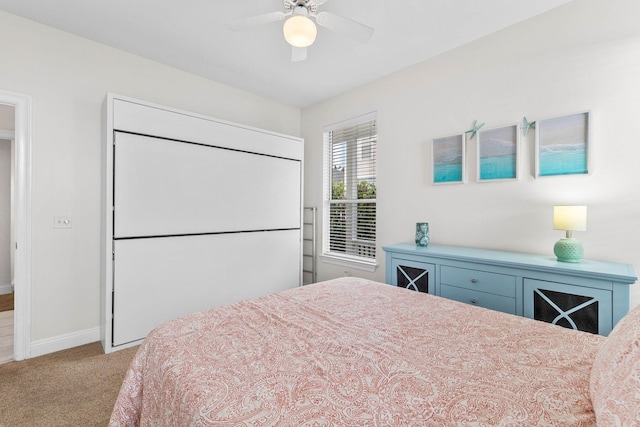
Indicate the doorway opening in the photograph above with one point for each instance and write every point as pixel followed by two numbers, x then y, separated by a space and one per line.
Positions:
pixel 7 150
pixel 19 240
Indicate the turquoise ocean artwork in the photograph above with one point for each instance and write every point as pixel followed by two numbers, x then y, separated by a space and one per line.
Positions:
pixel 563 159
pixel 498 167
pixel 445 172
pixel 448 159
pixel 498 154
pixel 563 144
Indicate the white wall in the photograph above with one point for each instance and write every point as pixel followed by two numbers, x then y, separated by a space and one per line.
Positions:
pixel 68 78
pixel 7 117
pixel 582 56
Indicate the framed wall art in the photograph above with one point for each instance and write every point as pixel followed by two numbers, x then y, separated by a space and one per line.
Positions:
pixel 448 156
pixel 563 145
pixel 498 153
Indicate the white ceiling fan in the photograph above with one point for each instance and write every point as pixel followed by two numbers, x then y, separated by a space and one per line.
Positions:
pixel 299 30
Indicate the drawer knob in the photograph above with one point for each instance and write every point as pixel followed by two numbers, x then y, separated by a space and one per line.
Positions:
pixel 473 301
pixel 474 280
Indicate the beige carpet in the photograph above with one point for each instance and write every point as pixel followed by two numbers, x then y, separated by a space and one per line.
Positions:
pixel 75 387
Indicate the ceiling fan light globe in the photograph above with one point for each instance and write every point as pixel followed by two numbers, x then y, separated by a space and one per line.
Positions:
pixel 299 31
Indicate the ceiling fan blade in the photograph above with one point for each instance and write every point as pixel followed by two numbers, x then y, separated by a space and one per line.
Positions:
pixel 254 21
pixel 345 26
pixel 298 54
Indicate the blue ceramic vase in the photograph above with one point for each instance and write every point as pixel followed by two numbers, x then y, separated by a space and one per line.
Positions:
pixel 422 234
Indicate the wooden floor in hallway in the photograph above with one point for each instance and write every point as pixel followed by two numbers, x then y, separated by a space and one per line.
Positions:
pixel 6 336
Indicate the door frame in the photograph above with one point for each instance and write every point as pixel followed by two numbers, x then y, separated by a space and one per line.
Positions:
pixel 22 225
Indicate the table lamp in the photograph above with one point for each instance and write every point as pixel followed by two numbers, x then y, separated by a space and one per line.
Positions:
pixel 569 218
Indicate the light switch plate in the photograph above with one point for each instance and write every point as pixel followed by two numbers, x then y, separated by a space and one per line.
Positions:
pixel 62 222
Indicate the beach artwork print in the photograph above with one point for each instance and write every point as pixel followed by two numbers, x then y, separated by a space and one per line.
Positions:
pixel 498 153
pixel 448 160
pixel 562 145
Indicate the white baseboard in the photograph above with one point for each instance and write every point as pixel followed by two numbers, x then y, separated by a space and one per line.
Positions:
pixel 6 289
pixel 64 342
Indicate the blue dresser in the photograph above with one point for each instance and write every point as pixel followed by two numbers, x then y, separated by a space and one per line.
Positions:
pixel 590 296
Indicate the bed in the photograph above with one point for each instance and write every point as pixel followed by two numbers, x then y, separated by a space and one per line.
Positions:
pixel 352 352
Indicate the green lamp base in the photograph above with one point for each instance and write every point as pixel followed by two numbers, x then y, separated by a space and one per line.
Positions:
pixel 568 250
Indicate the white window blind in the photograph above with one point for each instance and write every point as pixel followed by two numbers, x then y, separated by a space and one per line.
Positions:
pixel 349 213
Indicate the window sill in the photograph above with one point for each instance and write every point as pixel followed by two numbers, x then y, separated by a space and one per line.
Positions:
pixel 359 264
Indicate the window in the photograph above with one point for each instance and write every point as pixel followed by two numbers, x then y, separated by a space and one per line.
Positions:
pixel 349 212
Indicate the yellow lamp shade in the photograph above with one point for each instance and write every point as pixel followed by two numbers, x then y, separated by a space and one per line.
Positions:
pixel 299 31
pixel 570 218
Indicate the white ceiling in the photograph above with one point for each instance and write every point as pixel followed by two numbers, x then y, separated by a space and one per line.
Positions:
pixel 191 35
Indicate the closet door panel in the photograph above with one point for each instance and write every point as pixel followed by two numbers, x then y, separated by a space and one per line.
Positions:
pixel 163 122
pixel 158 279
pixel 165 187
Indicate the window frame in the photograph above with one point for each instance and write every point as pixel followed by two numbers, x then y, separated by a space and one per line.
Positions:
pixel 336 257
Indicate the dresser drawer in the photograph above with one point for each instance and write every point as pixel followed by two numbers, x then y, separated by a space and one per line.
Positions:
pixel 481 299
pixel 482 281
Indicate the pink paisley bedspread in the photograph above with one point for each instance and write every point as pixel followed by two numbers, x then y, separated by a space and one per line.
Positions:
pixel 351 352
